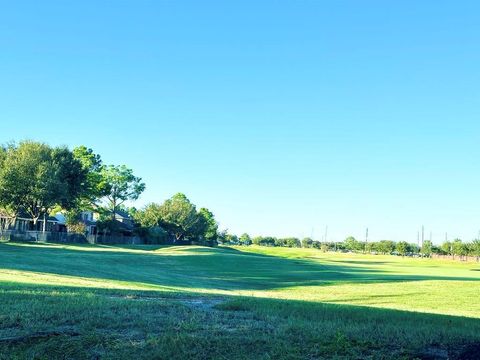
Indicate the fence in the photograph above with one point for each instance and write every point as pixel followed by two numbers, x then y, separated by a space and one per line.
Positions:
pixel 457 257
pixel 65 237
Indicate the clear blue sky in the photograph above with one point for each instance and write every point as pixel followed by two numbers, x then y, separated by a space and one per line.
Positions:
pixel 279 116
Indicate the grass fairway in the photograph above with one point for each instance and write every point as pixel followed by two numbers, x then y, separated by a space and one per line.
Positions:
pixel 91 302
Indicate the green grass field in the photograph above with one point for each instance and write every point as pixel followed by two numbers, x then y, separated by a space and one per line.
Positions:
pixel 147 302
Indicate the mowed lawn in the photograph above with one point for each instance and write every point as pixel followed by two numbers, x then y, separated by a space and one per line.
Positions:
pixel 150 302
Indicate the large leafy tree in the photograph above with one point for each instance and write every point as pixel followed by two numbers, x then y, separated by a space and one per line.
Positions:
pixel 179 217
pixel 95 185
pixel 149 216
pixel 211 228
pixel 120 185
pixel 35 178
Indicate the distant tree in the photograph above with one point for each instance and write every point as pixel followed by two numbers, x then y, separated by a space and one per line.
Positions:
pixel 369 247
pixel 292 242
pixel 307 242
pixel 121 185
pixel 265 241
pixel 232 239
pixel 426 249
pixel 402 248
pixel 280 242
pixel 316 245
pixel 458 248
pixel 447 248
pixel 245 239
pixel 475 248
pixel 257 240
pixel 385 246
pixel 413 248
pixel 351 243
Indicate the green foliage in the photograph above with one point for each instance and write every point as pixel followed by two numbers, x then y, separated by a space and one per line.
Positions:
pixel 474 248
pixel 264 241
pixel 384 246
pixel 402 248
pixel 351 244
pixel 35 178
pixel 245 239
pixel 447 248
pixel 459 248
pixel 211 231
pixel 292 242
pixel 149 216
pixel 307 242
pixel 121 185
pixel 427 247
pixel 152 235
pixel 179 217
pixel 95 186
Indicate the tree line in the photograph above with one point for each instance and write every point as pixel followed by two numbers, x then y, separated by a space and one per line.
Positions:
pixel 456 248
pixel 38 180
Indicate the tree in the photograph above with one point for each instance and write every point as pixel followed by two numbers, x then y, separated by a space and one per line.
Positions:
pixel 95 185
pixel 475 248
pixel 149 216
pixel 35 178
pixel 402 248
pixel 427 248
pixel 351 243
pixel 231 239
pixel 447 248
pixel 73 175
pixel 245 239
pixel 120 185
pixel 293 242
pixel 458 248
pixel 307 242
pixel 268 241
pixel 211 229
pixel 179 217
pixel 385 246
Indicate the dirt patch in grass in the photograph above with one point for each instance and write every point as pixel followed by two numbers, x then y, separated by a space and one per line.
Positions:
pixel 203 303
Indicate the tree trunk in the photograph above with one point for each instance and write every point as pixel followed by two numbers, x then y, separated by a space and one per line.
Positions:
pixel 44 223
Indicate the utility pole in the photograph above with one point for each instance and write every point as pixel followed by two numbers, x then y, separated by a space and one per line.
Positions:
pixel 430 237
pixel 366 241
pixel 423 234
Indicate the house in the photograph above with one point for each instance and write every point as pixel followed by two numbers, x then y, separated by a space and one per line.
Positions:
pixel 24 222
pixel 123 222
pixel 89 219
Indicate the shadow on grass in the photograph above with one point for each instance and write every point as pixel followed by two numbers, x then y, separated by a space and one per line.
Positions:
pixel 195 267
pixel 155 324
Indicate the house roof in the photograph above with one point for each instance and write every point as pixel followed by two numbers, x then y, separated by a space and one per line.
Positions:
pixel 122 214
pixel 24 215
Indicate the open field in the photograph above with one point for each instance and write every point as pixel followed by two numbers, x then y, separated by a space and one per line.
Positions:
pixel 232 303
